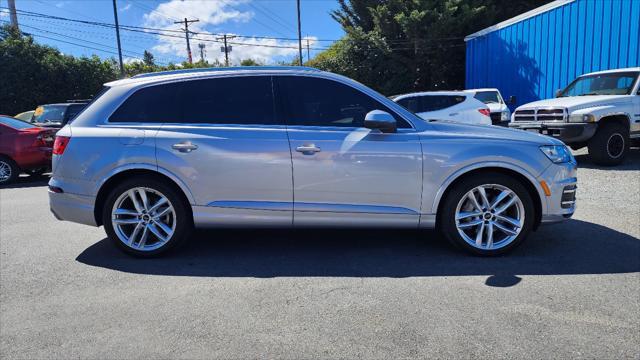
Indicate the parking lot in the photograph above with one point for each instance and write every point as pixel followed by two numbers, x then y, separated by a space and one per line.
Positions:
pixel 572 289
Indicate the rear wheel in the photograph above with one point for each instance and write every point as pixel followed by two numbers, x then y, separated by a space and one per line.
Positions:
pixel 146 217
pixel 609 145
pixel 488 214
pixel 9 170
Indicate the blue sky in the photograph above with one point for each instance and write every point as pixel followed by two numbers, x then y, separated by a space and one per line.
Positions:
pixel 249 18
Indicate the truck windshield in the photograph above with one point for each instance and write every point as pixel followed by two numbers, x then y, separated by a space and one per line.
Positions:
pixel 615 83
pixel 49 113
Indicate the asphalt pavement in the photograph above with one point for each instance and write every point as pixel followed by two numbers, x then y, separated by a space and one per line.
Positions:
pixel 571 291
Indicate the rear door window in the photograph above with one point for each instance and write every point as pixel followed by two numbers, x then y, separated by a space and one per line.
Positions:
pixel 242 100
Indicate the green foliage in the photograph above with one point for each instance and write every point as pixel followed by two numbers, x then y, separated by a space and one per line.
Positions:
pixel 250 62
pixel 398 46
pixel 33 74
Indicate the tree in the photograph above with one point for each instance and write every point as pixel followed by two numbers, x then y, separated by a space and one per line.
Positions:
pixel 399 46
pixel 34 74
pixel 250 62
pixel 148 59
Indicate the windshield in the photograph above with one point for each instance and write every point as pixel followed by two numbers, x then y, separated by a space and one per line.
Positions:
pixel 617 83
pixel 15 123
pixel 488 97
pixel 49 113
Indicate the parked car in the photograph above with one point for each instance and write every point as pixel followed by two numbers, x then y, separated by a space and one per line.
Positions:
pixel 25 116
pixel 458 106
pixel 500 113
pixel 599 110
pixel 155 155
pixel 23 148
pixel 56 115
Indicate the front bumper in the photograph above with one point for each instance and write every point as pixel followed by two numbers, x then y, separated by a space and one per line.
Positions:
pixel 562 182
pixel 567 132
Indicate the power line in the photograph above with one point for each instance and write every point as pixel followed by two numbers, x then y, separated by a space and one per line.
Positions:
pixel 186 34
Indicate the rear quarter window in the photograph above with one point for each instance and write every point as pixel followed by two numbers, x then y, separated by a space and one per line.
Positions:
pixel 153 104
pixel 426 103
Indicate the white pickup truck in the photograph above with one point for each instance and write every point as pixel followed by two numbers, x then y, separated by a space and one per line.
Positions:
pixel 600 110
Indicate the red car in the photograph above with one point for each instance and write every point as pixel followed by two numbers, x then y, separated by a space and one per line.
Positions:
pixel 23 148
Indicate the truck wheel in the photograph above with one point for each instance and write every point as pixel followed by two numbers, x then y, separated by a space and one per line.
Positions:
pixel 609 145
pixel 9 171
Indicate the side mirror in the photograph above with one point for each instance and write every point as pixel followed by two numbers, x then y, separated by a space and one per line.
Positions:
pixel 558 92
pixel 512 100
pixel 381 120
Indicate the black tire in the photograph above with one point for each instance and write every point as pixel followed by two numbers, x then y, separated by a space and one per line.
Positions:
pixel 609 145
pixel 12 167
pixel 447 214
pixel 183 215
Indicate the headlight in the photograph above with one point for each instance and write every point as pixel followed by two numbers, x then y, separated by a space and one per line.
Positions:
pixel 557 153
pixel 582 118
pixel 504 116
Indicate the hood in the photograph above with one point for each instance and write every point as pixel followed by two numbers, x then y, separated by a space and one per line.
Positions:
pixel 574 103
pixel 489 132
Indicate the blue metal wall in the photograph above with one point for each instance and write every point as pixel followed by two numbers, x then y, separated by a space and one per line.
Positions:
pixel 532 58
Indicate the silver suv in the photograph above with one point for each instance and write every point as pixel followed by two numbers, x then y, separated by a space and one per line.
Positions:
pixel 156 155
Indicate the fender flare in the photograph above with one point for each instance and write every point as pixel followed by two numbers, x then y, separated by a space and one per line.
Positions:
pixel 487 164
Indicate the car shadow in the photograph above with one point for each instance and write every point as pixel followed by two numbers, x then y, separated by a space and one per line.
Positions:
pixel 572 247
pixel 630 163
pixel 25 181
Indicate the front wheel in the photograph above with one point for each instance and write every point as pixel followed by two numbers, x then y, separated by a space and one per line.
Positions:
pixel 146 217
pixel 609 145
pixel 488 214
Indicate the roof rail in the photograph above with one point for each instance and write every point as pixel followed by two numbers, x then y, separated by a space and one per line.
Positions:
pixel 233 68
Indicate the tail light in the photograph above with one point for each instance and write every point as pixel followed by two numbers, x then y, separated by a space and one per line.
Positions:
pixel 484 112
pixel 60 144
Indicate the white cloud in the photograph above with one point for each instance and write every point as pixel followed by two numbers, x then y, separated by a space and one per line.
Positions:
pixel 61 4
pixel 214 13
pixel 125 8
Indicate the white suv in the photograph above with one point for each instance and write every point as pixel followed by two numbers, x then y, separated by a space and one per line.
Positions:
pixel 458 106
pixel 600 110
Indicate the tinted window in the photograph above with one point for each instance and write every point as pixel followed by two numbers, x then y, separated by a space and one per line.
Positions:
pixel 488 97
pixel 233 100
pixel 419 104
pixel 154 104
pixel 320 102
pixel 73 110
pixel 617 83
pixel 15 123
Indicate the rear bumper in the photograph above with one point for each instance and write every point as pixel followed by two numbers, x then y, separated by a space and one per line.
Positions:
pixel 34 158
pixel 567 132
pixel 72 207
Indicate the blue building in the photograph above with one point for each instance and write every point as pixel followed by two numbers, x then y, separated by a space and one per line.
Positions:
pixel 534 54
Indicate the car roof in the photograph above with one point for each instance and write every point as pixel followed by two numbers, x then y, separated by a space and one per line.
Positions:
pixel 210 72
pixel 64 104
pixel 482 89
pixel 613 71
pixel 432 93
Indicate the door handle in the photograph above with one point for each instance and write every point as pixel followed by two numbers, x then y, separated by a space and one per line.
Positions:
pixel 184 147
pixel 453 114
pixel 308 149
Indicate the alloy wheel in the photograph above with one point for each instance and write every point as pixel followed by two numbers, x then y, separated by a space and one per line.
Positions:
pixel 143 219
pixel 490 216
pixel 5 171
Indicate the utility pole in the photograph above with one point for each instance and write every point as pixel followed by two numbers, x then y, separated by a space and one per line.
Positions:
pixel 186 33
pixel 308 53
pixel 226 49
pixel 201 46
pixel 115 15
pixel 13 14
pixel 299 34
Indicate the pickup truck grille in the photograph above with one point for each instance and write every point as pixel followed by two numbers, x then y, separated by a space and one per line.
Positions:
pixel 544 114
